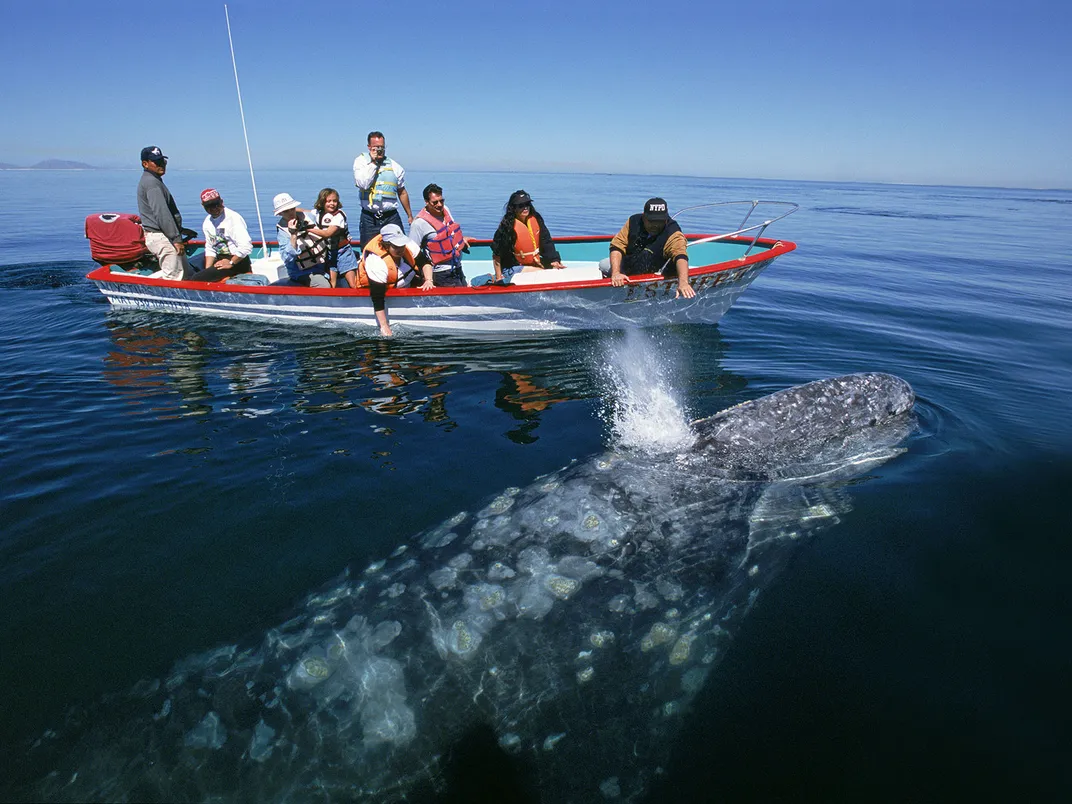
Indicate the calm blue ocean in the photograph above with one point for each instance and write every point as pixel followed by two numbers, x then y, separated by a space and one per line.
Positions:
pixel 171 484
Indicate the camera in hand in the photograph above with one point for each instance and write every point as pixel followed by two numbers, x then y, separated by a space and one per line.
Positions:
pixel 301 225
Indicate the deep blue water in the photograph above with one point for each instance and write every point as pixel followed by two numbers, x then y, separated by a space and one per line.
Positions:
pixel 170 484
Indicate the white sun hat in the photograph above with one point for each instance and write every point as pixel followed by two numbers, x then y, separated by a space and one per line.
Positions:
pixel 282 202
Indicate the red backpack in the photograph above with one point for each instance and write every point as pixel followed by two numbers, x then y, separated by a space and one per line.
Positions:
pixel 115 238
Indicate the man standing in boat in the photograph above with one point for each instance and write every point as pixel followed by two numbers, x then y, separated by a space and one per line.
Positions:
pixel 382 182
pixel 436 232
pixel 650 243
pixel 160 216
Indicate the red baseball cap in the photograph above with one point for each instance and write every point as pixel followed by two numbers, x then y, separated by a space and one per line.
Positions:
pixel 209 195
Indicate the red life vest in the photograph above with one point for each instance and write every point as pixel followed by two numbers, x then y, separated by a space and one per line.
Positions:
pixel 115 238
pixel 446 244
pixel 527 244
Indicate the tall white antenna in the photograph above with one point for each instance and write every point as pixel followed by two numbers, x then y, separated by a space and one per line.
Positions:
pixel 249 156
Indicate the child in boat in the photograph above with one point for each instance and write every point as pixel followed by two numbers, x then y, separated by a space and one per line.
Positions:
pixel 331 225
pixel 522 242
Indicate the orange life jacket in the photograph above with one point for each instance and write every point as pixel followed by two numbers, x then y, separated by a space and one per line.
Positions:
pixel 376 246
pixel 527 244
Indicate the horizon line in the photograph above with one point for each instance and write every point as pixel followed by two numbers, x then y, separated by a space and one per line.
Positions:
pixel 88 167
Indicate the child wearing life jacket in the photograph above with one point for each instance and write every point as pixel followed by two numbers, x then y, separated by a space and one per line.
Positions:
pixel 331 225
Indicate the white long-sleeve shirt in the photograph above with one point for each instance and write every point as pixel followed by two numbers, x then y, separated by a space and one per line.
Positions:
pixel 227 233
pixel 365 174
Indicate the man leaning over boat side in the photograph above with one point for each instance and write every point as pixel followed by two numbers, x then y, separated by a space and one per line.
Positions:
pixel 390 259
pixel 436 232
pixel 160 216
pixel 382 182
pixel 649 243
pixel 227 241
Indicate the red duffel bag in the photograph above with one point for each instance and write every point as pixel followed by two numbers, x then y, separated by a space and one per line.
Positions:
pixel 115 238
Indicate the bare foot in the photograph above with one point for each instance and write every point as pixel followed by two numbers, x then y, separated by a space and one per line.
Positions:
pixel 385 331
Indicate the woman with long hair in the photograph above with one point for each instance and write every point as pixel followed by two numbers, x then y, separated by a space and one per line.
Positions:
pixel 522 242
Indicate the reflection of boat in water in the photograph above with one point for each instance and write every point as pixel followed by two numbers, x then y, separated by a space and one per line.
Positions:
pixel 167 368
pixel 574 298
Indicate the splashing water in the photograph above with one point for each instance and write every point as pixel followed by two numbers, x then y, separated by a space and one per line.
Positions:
pixel 644 412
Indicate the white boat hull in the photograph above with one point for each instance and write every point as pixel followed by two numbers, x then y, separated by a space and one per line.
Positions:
pixel 550 307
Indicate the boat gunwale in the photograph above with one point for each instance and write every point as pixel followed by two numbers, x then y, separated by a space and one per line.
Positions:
pixel 773 248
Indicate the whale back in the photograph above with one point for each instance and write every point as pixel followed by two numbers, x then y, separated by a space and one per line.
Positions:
pixel 809 429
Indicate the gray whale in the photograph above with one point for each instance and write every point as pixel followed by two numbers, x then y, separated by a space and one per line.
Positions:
pixel 576 617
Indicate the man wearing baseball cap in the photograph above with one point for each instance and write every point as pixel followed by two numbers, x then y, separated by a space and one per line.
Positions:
pixel 160 216
pixel 650 243
pixel 227 241
pixel 390 259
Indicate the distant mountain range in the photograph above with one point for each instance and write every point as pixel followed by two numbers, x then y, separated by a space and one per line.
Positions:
pixel 51 164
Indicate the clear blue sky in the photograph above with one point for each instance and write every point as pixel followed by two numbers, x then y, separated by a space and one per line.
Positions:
pixel 975 93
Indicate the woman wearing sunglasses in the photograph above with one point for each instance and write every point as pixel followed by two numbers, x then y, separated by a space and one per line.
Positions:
pixel 522 242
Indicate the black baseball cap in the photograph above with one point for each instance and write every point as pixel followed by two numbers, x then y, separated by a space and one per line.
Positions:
pixel 519 198
pixel 150 153
pixel 655 210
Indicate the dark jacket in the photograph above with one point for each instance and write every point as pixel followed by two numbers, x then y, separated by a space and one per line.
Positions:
pixel 502 244
pixel 646 253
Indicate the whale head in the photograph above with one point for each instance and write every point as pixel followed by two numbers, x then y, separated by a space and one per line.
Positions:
pixel 816 429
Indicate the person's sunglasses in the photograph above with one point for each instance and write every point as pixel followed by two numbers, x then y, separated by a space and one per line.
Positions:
pixel 213 205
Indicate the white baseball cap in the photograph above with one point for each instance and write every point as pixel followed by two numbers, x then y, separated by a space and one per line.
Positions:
pixel 392 233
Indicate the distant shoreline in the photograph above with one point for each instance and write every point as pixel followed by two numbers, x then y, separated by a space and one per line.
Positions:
pixel 50 164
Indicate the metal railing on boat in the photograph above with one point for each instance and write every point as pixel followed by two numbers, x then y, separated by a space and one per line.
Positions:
pixel 758 228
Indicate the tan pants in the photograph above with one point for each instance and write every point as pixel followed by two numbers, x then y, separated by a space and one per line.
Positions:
pixel 172 265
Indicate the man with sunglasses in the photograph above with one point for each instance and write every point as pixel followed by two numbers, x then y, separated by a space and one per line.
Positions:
pixel 227 241
pixel 440 237
pixel 160 216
